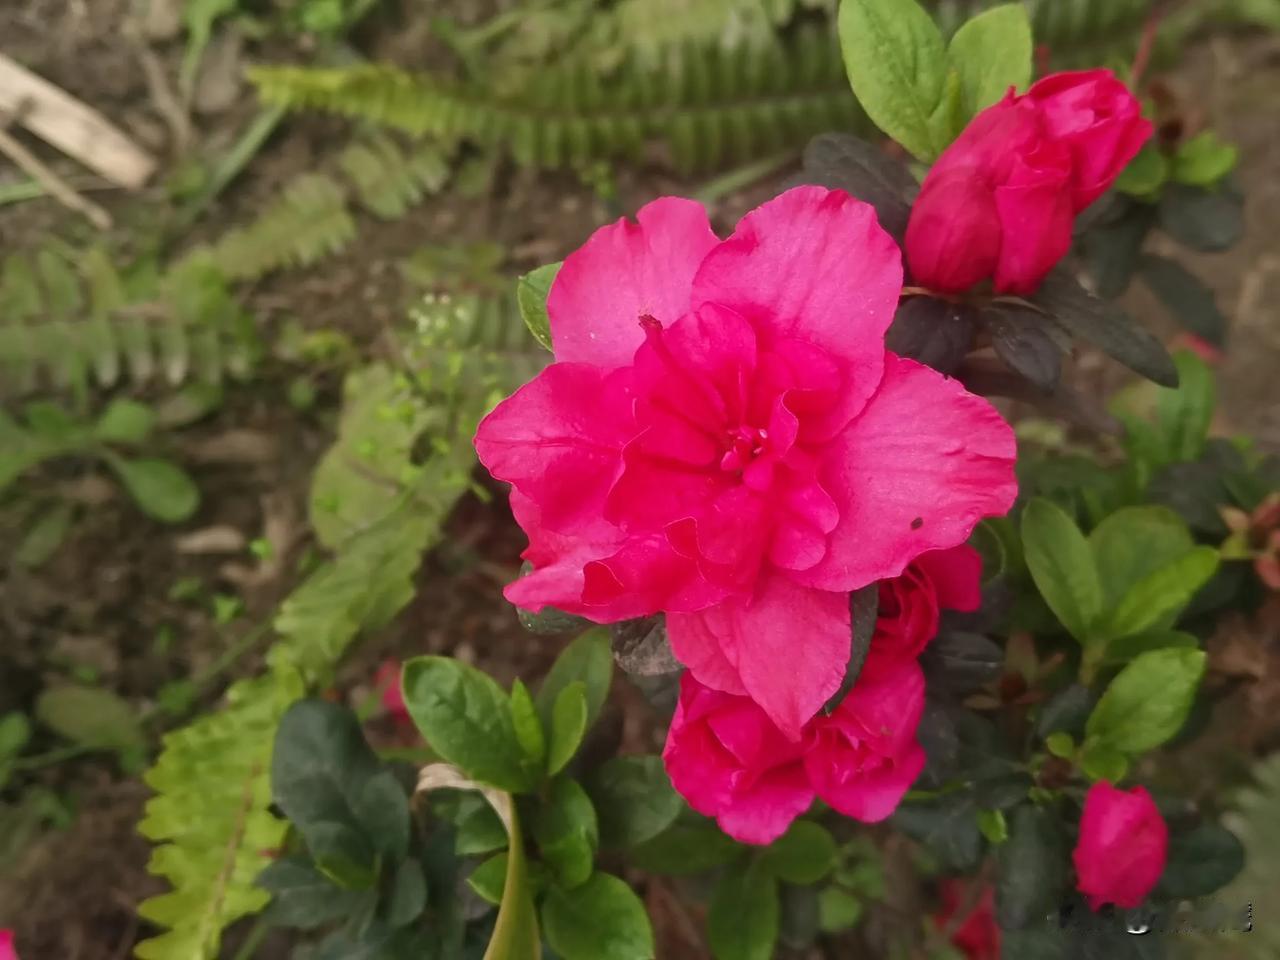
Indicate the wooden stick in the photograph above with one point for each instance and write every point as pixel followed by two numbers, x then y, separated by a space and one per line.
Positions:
pixel 54 184
pixel 72 126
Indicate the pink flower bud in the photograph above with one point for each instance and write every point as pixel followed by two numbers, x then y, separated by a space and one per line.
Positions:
pixel 1122 849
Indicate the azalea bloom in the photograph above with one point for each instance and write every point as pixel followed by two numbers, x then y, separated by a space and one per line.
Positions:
pixel 977 935
pixel 7 950
pixel 910 605
pixel 387 680
pixel 724 438
pixel 1123 846
pixel 731 762
pixel 1001 200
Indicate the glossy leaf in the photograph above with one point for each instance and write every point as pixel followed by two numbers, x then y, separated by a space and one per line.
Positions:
pixel 568 724
pixel 531 297
pixel 1148 700
pixel 602 919
pixel 1062 566
pixel 742 922
pixel 634 799
pixel 588 658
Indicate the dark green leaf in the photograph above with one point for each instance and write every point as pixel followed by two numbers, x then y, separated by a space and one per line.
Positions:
pixel 946 826
pixel 1042 941
pixel 1185 296
pixel 479 831
pixel 1062 566
pixel 635 800
pixel 602 919
pixel 863 604
pixel 466 718
pixel 1106 327
pixel 381 808
pixel 961 662
pixel 940 740
pixel 408 894
pixel 1206 220
pixel 742 922
pixel 934 332
pixel 1002 792
pixel 568 724
pixel 531 297
pixel 342 854
pixel 550 622
pixel 803 855
pixel 564 828
pixel 1033 868
pixel 841 161
pixel 1065 712
pixel 1147 701
pixel 1111 251
pixel 1020 340
pixel 303 897
pixel 90 716
pixel 588 658
pixel 1201 862
pixel 800 915
pixel 685 848
pixel 161 489
pixel 896 62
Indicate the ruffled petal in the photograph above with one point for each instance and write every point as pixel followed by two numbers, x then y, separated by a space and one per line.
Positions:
pixel 788 646
pixel 623 272
pixel 956 576
pixel 812 264
pixel 916 471
pixel 762 813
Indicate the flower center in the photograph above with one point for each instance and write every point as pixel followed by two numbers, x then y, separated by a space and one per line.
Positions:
pixel 743 445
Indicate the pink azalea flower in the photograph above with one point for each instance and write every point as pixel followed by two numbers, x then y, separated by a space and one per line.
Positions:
pixel 731 762
pixel 907 618
pixel 388 680
pixel 977 935
pixel 723 438
pixel 1123 846
pixel 7 950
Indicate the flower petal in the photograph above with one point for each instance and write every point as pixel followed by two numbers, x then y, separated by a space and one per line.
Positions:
pixel 812 264
pixel 916 471
pixel 956 575
pixel 624 271
pixel 788 647
pixel 762 813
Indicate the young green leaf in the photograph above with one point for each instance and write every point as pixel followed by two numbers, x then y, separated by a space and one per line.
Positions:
pixel 1145 174
pixel 588 658
pixel 1148 700
pixel 124 421
pixel 565 830
pixel 1155 601
pixel 487 880
pixel 635 800
pixel 993 826
pixel 1184 414
pixel 896 61
pixel 161 489
pixel 803 855
pixel 568 724
pixel 1101 761
pixel 531 296
pixel 602 919
pixel 466 718
pixel 742 923
pixel 1123 649
pixel 1062 566
pixel 528 726
pixel 1204 160
pixel 90 716
pixel 991 53
pixel 1134 542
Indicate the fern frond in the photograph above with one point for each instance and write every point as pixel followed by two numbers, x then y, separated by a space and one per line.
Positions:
pixel 710 105
pixel 650 27
pixel 388 179
pixel 1076 32
pixel 210 815
pixel 309 221
pixel 75 329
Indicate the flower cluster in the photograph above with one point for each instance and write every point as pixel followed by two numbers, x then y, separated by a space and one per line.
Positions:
pixel 731 762
pixel 1001 201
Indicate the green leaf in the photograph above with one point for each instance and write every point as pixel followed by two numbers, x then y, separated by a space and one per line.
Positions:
pixel 15 731
pixel 1134 542
pixel 1062 566
pixel 125 421
pixel 1123 649
pixel 588 658
pixel 528 727
pixel 993 826
pixel 466 718
pixel 1201 862
pixel 1148 700
pixel 342 854
pixel 1101 761
pixel 1145 174
pixel 487 880
pixel 408 894
pixel 683 848
pixel 991 53
pixel 803 855
pixel 1204 160
pixel 304 898
pixel 946 826
pixel 565 830
pixel 838 911
pixel 1184 414
pixel 45 535
pixel 531 296
pixel 90 716
pixel 479 831
pixel 568 724
pixel 1187 298
pixel 896 63
pixel 161 489
pixel 1210 221
pixel 1033 872
pixel 635 800
pixel 1066 711
pixel 742 922
pixel 1060 744
pixel 381 807
pixel 602 919
pixel 1155 601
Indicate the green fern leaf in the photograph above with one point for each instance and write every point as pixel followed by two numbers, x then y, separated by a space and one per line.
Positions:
pixel 389 180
